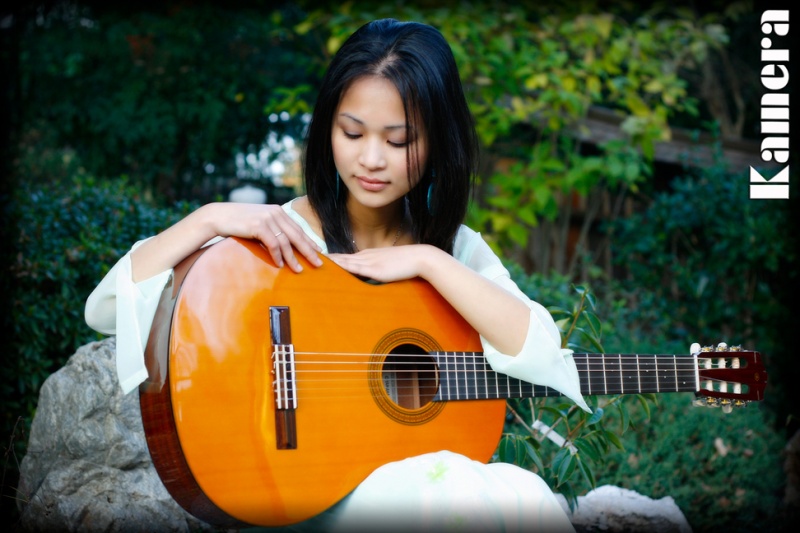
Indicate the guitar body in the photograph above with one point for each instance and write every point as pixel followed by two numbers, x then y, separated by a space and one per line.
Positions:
pixel 209 406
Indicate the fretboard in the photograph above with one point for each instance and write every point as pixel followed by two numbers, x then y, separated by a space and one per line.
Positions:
pixel 468 376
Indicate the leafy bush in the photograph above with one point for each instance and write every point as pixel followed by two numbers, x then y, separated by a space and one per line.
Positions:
pixel 552 436
pixel 707 256
pixel 704 264
pixel 725 472
pixel 69 234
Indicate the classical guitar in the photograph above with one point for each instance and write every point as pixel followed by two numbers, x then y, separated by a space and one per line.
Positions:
pixel 272 395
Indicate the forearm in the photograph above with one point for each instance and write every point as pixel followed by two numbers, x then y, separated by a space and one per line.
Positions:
pixel 174 244
pixel 496 314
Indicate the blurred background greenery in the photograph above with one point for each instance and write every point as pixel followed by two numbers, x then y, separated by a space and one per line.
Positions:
pixel 616 143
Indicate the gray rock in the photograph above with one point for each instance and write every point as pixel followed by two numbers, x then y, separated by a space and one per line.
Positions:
pixel 87 467
pixel 610 509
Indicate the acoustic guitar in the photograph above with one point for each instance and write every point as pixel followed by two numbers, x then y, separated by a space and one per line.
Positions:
pixel 272 395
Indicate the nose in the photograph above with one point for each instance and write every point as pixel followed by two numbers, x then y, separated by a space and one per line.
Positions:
pixel 372 154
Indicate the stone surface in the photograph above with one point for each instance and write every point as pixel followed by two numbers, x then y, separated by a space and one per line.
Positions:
pixel 87 467
pixel 614 509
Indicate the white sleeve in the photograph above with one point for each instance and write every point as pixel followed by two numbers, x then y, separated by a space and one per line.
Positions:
pixel 120 306
pixel 541 361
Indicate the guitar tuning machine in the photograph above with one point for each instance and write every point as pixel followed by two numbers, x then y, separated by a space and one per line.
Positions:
pixel 706 401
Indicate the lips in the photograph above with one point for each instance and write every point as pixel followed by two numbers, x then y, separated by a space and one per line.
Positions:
pixel 372 185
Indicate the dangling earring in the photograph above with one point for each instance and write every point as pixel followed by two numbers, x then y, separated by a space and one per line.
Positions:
pixel 430 193
pixel 338 179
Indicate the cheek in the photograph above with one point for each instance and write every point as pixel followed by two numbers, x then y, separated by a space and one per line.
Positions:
pixel 339 149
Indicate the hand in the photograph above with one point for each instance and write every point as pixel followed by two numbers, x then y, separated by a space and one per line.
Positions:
pixel 270 225
pixel 386 264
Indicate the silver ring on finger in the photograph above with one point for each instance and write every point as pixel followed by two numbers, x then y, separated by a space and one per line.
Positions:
pixel 279 234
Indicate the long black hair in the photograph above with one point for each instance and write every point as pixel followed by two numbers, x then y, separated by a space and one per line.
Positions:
pixel 416 58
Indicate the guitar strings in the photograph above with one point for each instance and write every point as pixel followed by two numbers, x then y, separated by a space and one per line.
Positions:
pixel 310 383
pixel 480 377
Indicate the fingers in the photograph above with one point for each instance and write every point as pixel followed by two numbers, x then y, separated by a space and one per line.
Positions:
pixel 272 226
pixel 380 264
pixel 283 237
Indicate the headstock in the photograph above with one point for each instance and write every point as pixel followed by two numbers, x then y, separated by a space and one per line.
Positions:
pixel 729 376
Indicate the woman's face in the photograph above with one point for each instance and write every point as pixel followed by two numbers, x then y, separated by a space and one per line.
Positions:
pixel 373 145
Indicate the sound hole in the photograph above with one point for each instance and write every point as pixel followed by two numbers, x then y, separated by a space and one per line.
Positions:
pixel 409 376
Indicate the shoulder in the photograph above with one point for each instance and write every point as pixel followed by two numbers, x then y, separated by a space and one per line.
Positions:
pixel 300 210
pixel 301 207
pixel 467 242
pixel 471 249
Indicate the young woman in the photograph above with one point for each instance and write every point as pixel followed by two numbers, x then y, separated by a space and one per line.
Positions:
pixel 390 156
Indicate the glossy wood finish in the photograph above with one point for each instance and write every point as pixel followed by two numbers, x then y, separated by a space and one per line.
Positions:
pixel 222 462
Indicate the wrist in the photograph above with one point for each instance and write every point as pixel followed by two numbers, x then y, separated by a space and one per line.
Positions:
pixel 432 262
pixel 206 221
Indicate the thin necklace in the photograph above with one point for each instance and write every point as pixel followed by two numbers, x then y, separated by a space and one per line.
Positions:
pixel 397 236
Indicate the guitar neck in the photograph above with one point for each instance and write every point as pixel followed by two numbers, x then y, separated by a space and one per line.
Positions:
pixel 468 376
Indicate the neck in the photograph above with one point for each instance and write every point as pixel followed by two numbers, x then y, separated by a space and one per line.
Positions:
pixel 375 227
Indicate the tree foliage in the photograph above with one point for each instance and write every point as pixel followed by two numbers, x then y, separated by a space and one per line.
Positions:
pixel 533 73
pixel 68 235
pixel 164 94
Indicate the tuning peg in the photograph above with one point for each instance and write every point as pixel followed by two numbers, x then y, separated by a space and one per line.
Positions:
pixel 722 347
pixel 706 401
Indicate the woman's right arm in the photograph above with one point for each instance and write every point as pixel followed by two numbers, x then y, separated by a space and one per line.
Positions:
pixel 268 224
pixel 125 301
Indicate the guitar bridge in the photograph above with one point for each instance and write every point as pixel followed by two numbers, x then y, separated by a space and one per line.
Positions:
pixel 284 385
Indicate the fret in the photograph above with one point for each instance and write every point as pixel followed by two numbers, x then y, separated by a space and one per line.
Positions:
pixel 629 374
pixel 582 364
pixel 503 385
pixel 480 388
pixel 613 378
pixel 596 370
pixel 666 374
pixel 496 380
pixel 447 373
pixel 459 374
pixel 687 374
pixel 485 372
pixel 469 388
pixel 675 369
pixel 648 373
pixel 638 373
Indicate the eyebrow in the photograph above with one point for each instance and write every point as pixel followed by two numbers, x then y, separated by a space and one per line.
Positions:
pixel 390 127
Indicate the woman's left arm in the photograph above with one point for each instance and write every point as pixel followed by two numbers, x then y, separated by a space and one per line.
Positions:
pixel 496 314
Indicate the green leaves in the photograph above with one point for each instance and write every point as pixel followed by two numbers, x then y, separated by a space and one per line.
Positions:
pixel 561 442
pixel 68 235
pixel 160 94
